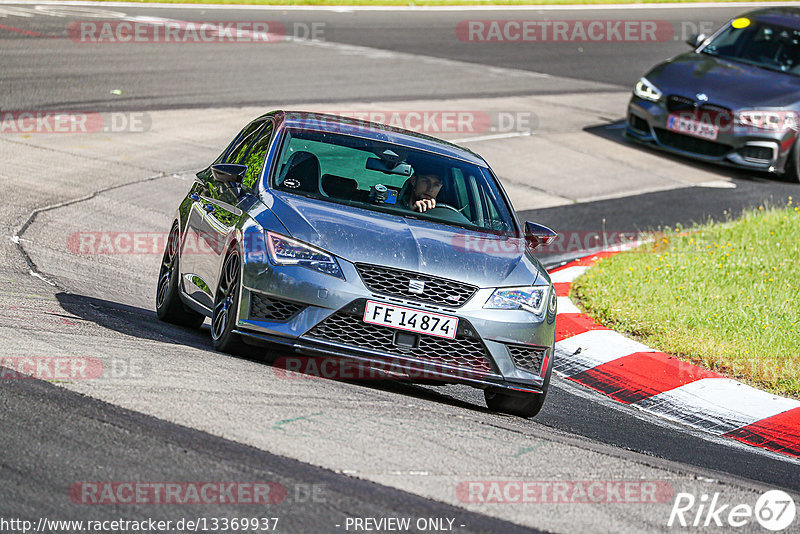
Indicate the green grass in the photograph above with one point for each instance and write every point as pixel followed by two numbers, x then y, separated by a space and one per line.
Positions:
pixel 421 2
pixel 723 296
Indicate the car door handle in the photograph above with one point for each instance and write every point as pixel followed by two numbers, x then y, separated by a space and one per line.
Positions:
pixel 209 208
pixel 195 197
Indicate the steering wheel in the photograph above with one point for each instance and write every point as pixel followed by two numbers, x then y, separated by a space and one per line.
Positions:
pixel 448 213
pixel 446 206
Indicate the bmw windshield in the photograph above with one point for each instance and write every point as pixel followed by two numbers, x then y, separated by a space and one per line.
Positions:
pixel 386 177
pixel 764 45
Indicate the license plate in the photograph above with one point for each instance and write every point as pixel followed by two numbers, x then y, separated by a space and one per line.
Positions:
pixel 688 125
pixel 411 320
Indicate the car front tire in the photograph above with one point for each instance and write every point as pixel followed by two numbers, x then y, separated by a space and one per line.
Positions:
pixel 169 307
pixel 520 404
pixel 792 172
pixel 226 302
pixel 515 402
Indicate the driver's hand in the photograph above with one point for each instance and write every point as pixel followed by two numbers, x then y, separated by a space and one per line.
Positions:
pixel 424 205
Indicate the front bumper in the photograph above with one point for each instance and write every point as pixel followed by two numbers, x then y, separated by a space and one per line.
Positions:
pixel 736 146
pixel 315 314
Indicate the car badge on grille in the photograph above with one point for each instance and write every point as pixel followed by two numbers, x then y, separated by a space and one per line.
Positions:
pixel 702 97
pixel 453 298
pixel 416 286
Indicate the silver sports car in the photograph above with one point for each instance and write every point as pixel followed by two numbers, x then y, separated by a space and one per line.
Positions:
pixel 344 239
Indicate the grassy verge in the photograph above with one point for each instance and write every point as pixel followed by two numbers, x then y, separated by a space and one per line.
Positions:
pixel 422 2
pixel 723 296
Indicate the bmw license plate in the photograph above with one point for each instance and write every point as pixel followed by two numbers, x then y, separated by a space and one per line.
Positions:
pixel 411 320
pixel 680 123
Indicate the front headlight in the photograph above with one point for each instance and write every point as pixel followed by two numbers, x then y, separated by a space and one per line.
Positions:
pixel 529 298
pixel 644 88
pixel 286 251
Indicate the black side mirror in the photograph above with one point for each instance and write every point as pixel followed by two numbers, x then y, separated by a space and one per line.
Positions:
pixel 696 40
pixel 538 234
pixel 228 172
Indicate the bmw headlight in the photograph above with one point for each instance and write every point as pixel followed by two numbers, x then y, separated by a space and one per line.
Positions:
pixel 644 88
pixel 529 298
pixel 286 251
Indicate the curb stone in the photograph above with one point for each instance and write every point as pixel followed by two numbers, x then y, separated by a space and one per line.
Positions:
pixel 632 373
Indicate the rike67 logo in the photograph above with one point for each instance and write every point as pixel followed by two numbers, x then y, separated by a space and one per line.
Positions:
pixel 774 510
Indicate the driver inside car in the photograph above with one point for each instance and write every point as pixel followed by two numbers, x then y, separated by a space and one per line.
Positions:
pixel 421 191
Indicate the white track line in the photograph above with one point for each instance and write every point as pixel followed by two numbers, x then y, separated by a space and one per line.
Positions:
pixel 491 137
pixel 364 51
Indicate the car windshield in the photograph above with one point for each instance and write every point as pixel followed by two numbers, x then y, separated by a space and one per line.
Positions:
pixel 382 176
pixel 757 43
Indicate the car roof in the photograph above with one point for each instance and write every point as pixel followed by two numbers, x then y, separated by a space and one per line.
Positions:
pixel 781 16
pixel 375 131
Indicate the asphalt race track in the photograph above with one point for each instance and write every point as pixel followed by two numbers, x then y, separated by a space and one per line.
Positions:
pixel 337 456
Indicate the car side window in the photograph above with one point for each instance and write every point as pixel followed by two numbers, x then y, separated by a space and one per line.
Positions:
pixel 243 143
pixel 256 156
pixel 235 142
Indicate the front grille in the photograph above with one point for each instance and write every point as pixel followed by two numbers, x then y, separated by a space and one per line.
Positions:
pixel 688 143
pixel 638 123
pixel 272 309
pixel 397 282
pixel 348 329
pixel 679 103
pixel 758 154
pixel 527 358
pixel 709 113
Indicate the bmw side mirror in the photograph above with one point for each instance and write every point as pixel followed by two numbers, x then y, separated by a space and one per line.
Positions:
pixel 538 235
pixel 228 172
pixel 696 40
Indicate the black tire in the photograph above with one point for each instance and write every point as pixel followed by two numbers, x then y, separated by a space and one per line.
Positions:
pixel 521 404
pixel 517 403
pixel 223 317
pixel 792 169
pixel 169 307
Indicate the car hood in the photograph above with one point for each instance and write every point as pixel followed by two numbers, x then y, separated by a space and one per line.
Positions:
pixel 359 235
pixel 726 83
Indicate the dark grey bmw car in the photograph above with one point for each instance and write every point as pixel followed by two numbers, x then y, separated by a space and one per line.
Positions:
pixel 734 99
pixel 307 233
